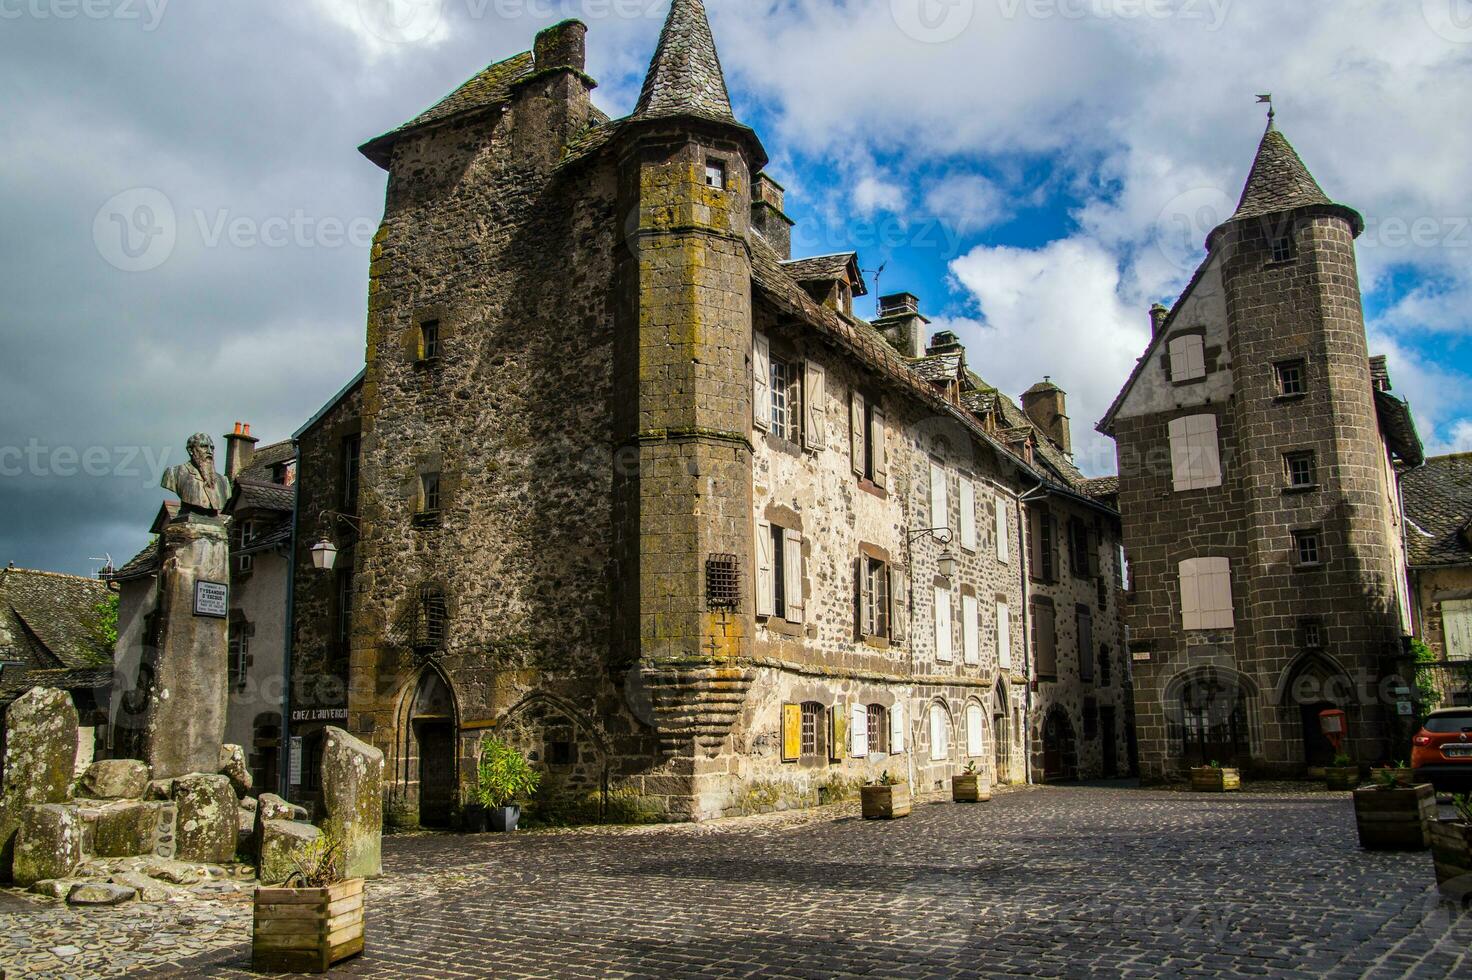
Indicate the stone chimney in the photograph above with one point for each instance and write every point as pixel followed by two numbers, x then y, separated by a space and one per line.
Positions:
pixel 240 446
pixel 563 45
pixel 767 216
pixel 1158 313
pixel 1046 404
pixel 901 323
pixel 1379 373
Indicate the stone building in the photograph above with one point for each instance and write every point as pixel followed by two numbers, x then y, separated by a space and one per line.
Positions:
pixel 261 508
pixel 1438 502
pixel 638 492
pixel 1259 448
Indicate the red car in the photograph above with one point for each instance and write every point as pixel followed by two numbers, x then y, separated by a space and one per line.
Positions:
pixel 1441 752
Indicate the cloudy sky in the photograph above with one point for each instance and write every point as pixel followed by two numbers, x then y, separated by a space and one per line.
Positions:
pixel 187 220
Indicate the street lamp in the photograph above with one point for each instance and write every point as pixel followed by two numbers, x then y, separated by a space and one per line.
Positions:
pixel 946 563
pixel 324 552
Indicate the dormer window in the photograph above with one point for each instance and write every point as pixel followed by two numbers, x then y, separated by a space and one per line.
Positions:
pixel 715 174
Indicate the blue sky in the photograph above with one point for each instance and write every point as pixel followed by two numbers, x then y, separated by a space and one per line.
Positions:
pixel 1039 172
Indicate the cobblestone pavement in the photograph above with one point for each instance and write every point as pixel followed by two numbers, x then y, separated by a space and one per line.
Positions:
pixel 1041 882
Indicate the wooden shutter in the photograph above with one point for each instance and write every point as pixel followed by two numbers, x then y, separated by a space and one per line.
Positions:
pixel 1084 622
pixel 970 642
pixel 814 406
pixel 761 395
pixel 1004 544
pixel 968 514
pixel 1095 561
pixel 858 728
pixel 765 586
pixel 899 606
pixel 879 447
pixel 939 744
pixel 975 733
pixel 792 574
pixel 856 434
pixel 943 625
pixel 897 728
pixel 939 505
pixel 1004 636
pixel 1456 625
pixel 865 599
pixel 837 732
pixel 1195 456
pixel 791 732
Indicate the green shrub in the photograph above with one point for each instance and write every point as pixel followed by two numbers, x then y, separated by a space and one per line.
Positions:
pixel 503 776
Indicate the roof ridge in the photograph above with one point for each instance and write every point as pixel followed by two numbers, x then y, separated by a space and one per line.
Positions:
pixel 40 571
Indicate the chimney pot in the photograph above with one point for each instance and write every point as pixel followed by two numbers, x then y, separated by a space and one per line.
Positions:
pixel 1158 315
pixel 240 446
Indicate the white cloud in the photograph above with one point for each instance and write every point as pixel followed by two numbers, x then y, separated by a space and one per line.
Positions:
pixel 387 27
pixel 872 194
pixel 970 202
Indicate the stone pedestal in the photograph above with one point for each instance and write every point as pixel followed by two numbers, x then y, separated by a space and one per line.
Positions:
pixel 186 689
pixel 40 751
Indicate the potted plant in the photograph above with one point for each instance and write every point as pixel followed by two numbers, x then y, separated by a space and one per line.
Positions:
pixel 1343 774
pixel 970 786
pixel 885 799
pixel 1451 845
pixel 315 919
pixel 1393 817
pixel 1215 778
pixel 1400 771
pixel 503 777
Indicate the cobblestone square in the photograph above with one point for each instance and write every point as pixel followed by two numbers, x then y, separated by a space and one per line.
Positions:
pixel 1054 882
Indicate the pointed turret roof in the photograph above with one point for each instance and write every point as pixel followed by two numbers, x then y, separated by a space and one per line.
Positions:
pixel 685 77
pixel 1279 180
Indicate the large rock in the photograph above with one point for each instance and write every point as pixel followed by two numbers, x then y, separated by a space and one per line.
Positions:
pixel 269 806
pixel 115 779
pixel 100 893
pixel 40 757
pixel 173 872
pixel 48 844
pixel 352 801
pixel 128 830
pixel 233 767
pixel 207 820
pixel 148 889
pixel 281 842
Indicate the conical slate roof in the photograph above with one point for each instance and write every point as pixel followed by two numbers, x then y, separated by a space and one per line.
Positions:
pixel 685 77
pixel 1279 180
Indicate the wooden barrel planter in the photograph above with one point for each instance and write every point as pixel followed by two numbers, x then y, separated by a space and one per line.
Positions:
pixel 970 788
pixel 1342 777
pixel 1451 848
pixel 885 802
pixel 307 930
pixel 1207 779
pixel 1395 819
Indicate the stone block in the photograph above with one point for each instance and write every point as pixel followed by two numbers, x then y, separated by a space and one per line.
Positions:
pixel 100 893
pixel 148 889
pixel 352 801
pixel 127 830
pixel 233 767
pixel 115 779
pixel 40 759
pixel 281 842
pixel 48 843
pixel 173 872
pixel 207 820
pixel 57 888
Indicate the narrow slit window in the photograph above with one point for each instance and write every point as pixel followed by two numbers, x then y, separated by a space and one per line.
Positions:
pixel 429 340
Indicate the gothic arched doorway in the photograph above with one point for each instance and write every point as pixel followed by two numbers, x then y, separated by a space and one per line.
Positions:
pixel 428 756
pixel 1311 685
pixel 1060 750
pixel 1210 715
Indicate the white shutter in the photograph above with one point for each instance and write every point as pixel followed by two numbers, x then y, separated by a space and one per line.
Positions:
pixel 939 506
pixel 1195 457
pixel 856 416
pixel 968 514
pixel 1206 594
pixel 1180 456
pixel 1004 544
pixel 761 369
pixel 877 434
pixel 858 730
pixel 897 728
pixel 814 406
pixel 792 574
pixel 765 586
pixel 1188 358
pixel 1004 636
pixel 970 643
pixel 1456 625
pixel 943 625
pixel 975 733
pixel 939 746
pixel 899 606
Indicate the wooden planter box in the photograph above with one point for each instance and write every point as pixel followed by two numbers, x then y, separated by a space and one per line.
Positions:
pixel 1342 777
pixel 885 802
pixel 1403 777
pixel 1395 819
pixel 1209 780
pixel 1451 848
pixel 970 788
pixel 306 930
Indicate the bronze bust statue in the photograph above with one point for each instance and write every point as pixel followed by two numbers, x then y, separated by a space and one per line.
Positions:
pixel 200 488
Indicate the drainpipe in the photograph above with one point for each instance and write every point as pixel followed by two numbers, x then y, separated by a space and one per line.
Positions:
pixel 283 776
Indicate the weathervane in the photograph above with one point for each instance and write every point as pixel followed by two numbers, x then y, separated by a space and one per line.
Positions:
pixel 1272 112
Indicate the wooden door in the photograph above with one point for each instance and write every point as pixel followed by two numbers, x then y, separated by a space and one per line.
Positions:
pixel 436 772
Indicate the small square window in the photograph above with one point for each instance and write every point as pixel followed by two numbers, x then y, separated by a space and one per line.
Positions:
pixel 1306 547
pixel 715 174
pixel 429 340
pixel 1312 633
pixel 1282 248
pixel 1291 380
pixel 1301 471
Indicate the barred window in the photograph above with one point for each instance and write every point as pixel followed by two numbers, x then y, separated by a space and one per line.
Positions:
pixel 812 729
pixel 878 725
pixel 424 625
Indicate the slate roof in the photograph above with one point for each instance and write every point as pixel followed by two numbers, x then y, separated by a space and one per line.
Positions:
pixel 685 77
pixel 1438 501
pixel 143 564
pixel 49 623
pixel 263 463
pixel 829 268
pixel 938 367
pixel 1279 181
pixel 263 495
pixel 1102 486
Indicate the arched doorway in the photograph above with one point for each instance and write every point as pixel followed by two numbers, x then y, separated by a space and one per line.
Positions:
pixel 1002 732
pixel 570 752
pixel 1313 684
pixel 428 755
pixel 1060 749
pixel 1210 714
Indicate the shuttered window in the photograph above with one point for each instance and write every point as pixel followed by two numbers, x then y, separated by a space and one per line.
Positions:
pixel 943 625
pixel 815 406
pixel 1085 625
pixel 970 630
pixel 874 598
pixel 858 434
pixel 1004 545
pixel 1045 639
pixel 791 732
pixel 858 729
pixel 1195 459
pixel 940 740
pixel 779 591
pixel 1456 624
pixel 1004 636
pixel 940 511
pixel 897 729
pixel 975 732
pixel 877 723
pixel 1206 594
pixel 968 514
pixel 1188 358
pixel 761 369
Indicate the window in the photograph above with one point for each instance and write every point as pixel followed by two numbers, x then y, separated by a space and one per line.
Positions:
pixel 560 751
pixel 239 649
pixel 1004 636
pixel 1042 554
pixel 1091 718
pixel 1082 554
pixel 1188 358
pixel 715 174
pixel 245 533
pixel 1456 628
pixel 1306 549
pixel 284 474
pixel 868 442
pixel 779 592
pixel 874 598
pixel 786 401
pixel 1301 471
pixel 429 340
pixel 1195 461
pixel 344 619
pixel 429 493
pixel 940 504
pixel 1105 678
pixel 970 630
pixel 1004 545
pixel 1311 634
pixel 943 625
pixel 349 454
pixel 1045 639
pixel 1291 379
pixel 968 514
pixel 1084 621
pixel 877 725
pixel 975 731
pixel 940 735
pixel 812 730
pixel 1282 248
pixel 1206 594
pixel 1124 566
pixel 425 624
